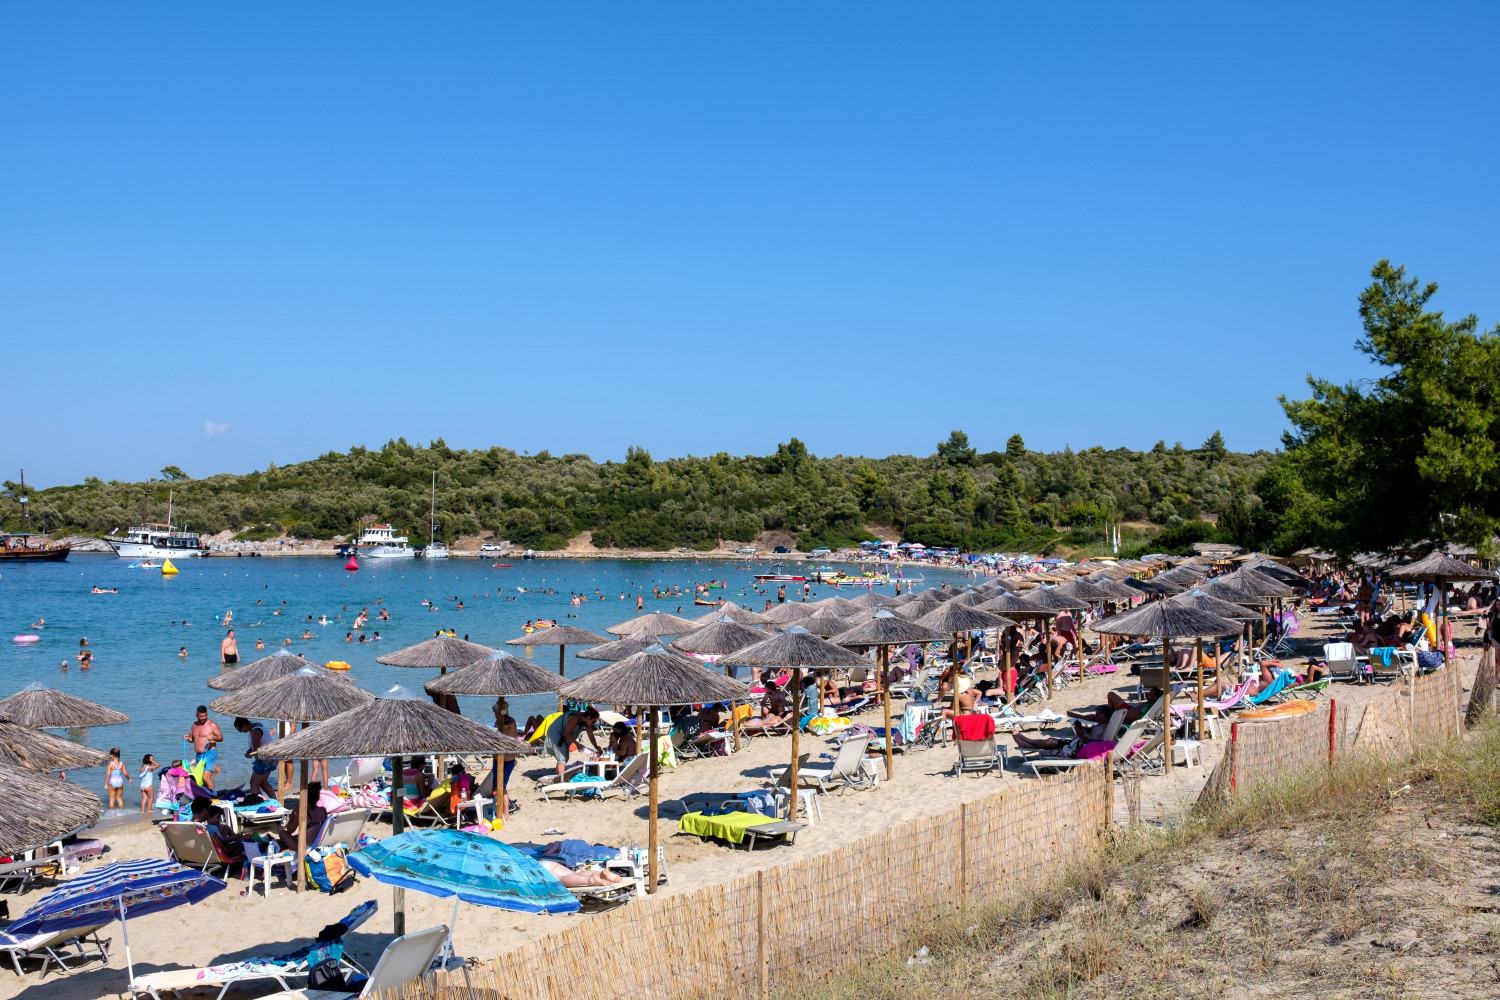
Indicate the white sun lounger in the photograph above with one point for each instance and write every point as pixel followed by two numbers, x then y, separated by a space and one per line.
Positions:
pixel 404 959
pixel 52 948
pixel 627 782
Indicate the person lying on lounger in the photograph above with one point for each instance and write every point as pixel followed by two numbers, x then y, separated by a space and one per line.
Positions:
pixel 1222 687
pixel 583 879
pixel 1100 715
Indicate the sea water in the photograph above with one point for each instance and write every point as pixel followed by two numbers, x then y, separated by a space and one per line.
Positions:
pixel 136 634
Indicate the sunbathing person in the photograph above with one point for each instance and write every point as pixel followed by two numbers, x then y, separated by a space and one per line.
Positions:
pixel 1101 714
pixel 583 879
pixel 1223 687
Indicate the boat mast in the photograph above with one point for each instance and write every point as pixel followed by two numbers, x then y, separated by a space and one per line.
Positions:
pixel 169 511
pixel 25 507
pixel 432 511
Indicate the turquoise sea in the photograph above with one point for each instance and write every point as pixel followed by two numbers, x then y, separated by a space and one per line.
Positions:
pixel 135 642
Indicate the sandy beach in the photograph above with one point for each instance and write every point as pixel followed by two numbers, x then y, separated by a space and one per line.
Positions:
pixel 232 924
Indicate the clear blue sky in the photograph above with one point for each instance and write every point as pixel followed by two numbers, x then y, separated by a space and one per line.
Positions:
pixel 231 234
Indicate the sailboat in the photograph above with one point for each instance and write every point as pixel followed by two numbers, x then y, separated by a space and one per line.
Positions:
pixel 27 546
pixel 434 549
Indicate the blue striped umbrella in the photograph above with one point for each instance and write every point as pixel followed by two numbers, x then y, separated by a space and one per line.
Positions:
pixel 115 892
pixel 470 866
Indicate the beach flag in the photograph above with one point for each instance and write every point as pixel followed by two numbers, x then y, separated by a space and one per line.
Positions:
pixel 167 569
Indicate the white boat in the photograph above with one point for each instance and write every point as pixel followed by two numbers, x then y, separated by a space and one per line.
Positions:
pixel 433 549
pixel 156 541
pixel 380 541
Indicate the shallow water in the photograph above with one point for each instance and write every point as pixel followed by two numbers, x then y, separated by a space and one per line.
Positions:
pixel 137 669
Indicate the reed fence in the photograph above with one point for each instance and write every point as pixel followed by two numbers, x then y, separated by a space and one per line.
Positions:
pixel 1267 750
pixel 1482 693
pixel 1418 710
pixel 813 918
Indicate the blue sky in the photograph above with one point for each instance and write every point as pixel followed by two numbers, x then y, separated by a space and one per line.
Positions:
pixel 230 236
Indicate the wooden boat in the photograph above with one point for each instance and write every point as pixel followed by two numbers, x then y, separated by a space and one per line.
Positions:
pixel 20 548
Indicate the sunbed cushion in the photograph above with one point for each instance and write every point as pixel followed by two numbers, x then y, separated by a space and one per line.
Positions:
pixel 726 826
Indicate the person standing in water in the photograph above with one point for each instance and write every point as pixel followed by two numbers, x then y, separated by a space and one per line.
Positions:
pixel 229 650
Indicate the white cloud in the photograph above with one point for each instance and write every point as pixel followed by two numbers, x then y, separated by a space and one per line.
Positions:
pixel 210 428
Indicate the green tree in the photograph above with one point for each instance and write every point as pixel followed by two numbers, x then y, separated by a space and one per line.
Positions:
pixel 956 450
pixel 172 473
pixel 1015 448
pixel 1213 449
pixel 1412 454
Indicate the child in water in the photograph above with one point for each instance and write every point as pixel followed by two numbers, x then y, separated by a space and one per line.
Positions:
pixel 115 774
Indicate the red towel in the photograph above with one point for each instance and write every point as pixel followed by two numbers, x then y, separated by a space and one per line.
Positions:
pixel 975 727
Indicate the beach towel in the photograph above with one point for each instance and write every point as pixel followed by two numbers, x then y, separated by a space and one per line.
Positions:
pixel 974 727
pixel 911 721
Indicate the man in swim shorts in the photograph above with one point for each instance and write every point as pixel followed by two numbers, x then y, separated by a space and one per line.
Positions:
pixel 229 650
pixel 260 770
pixel 564 730
pixel 206 736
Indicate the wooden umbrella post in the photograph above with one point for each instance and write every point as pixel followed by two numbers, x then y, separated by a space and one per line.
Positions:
pixel 1200 689
pixel 651 875
pixel 884 654
pixel 302 831
pixel 1010 677
pixel 1166 693
pixel 398 824
pixel 791 805
pixel 561 653
pixel 953 660
pixel 734 714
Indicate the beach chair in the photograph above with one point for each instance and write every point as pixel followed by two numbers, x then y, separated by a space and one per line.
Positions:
pixel 190 844
pixel 1275 689
pixel 404 959
pixel 628 782
pixel 1342 665
pixel 757 727
pixel 363 770
pixel 974 735
pixel 24 871
pixel 52 948
pixel 1132 749
pixel 343 828
pixel 845 771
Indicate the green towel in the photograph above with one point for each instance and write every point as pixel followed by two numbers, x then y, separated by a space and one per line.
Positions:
pixel 728 826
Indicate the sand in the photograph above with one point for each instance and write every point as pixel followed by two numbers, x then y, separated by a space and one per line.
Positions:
pixel 232 925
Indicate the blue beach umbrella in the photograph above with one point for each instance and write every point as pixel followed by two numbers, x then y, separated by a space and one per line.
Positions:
pixel 470 866
pixel 115 892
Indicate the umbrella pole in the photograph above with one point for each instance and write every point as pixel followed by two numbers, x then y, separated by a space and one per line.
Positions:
pixel 885 696
pixel 651 833
pixel 1166 693
pixel 791 803
pixel 125 933
pixel 734 715
pixel 1010 677
pixel 398 824
pixel 1200 689
pixel 953 658
pixel 561 652
pixel 302 830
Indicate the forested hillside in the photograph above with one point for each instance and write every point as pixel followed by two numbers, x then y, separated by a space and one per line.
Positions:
pixel 1007 499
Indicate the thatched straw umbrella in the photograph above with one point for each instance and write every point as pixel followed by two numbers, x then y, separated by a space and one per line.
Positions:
pixel 883 630
pixel 872 599
pixel 308 695
pixel 656 622
pixel 1085 590
pixel 727 607
pixel 838 606
pixel 956 620
pixel 1052 600
pixel 267 668
pixel 396 724
pixel 46 708
pixel 1442 569
pixel 37 809
pixel 1203 601
pixel 22 746
pixel 822 623
pixel 799 649
pixel 789 613
pixel 1171 620
pixel 919 605
pixel 656 678
pixel 1019 605
pixel 621 648
pixel 718 639
pixel 441 651
pixel 561 636
pixel 497 676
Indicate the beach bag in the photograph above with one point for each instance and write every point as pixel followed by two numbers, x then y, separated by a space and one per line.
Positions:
pixel 332 802
pixel 329 871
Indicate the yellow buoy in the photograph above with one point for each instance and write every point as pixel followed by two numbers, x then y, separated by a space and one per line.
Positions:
pixel 167 569
pixel 336 665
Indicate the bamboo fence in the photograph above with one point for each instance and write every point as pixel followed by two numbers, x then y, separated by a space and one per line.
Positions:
pixel 1483 691
pixel 1418 710
pixel 1275 748
pixel 808 919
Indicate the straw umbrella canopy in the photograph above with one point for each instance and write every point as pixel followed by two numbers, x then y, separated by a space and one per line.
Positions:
pixel 1153 587
pixel 561 636
pixel 1442 569
pixel 786 614
pixel 884 629
pixel 441 651
pixel 799 649
pixel 1116 590
pixel 38 809
pixel 719 637
pixel 1085 590
pixel 972 598
pixel 22 746
pixel 919 605
pixel 1261 583
pixel 47 708
pixel 1204 601
pixel 656 622
pixel 1171 620
pixel 657 678
pixel 620 648
pixel 838 606
pixel 823 623
pixel 267 668
pixel 308 695
pixel 1234 591
pixel 742 615
pixel 395 724
pixel 955 620
pixel 1053 599
pixel 872 599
